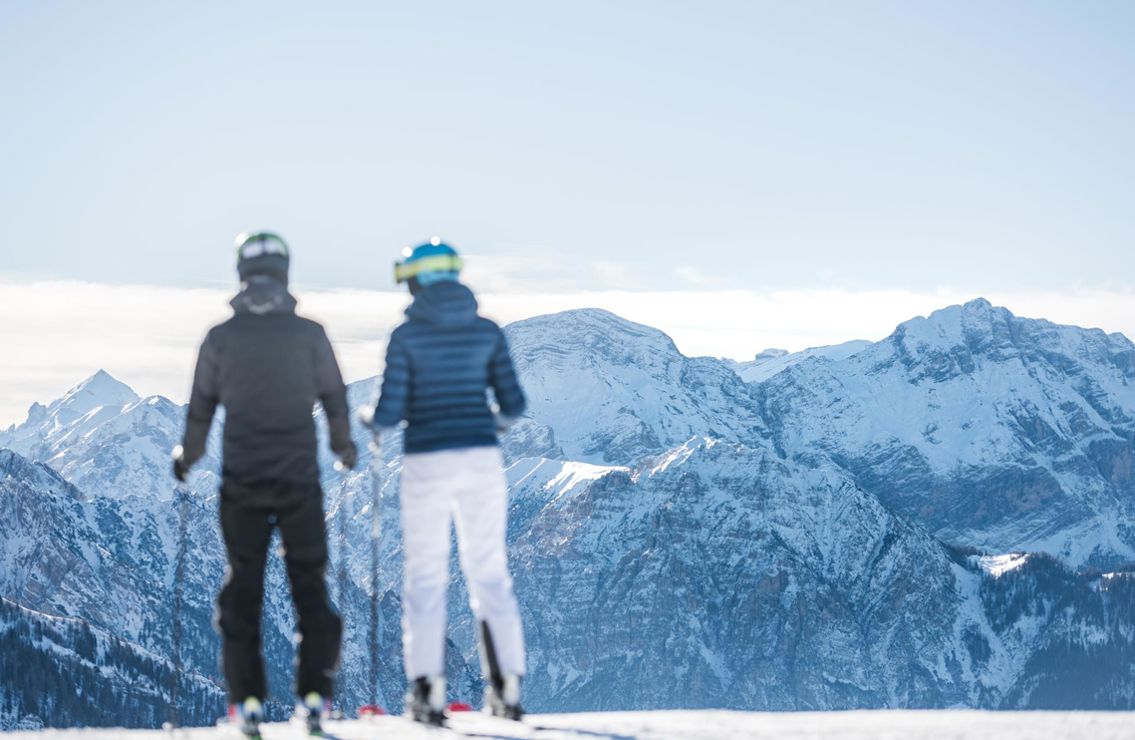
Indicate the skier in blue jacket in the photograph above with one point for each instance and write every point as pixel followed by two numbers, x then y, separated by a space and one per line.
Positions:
pixel 440 364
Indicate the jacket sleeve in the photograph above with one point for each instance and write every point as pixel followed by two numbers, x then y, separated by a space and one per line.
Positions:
pixel 395 391
pixel 332 393
pixel 502 376
pixel 203 400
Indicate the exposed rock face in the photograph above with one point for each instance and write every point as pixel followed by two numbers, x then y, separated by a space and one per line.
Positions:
pixel 837 533
pixel 991 430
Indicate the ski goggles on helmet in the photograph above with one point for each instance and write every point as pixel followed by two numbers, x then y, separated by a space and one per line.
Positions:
pixel 412 268
pixel 259 244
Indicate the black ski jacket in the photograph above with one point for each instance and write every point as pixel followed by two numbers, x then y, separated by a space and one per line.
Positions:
pixel 267 367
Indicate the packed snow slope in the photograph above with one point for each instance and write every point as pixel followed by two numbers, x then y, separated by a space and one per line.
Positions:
pixel 943 518
pixel 703 725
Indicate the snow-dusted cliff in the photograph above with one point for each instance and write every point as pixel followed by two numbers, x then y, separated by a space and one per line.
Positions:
pixel 990 430
pixel 834 534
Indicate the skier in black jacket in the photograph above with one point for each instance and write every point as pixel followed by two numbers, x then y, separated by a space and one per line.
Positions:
pixel 268 367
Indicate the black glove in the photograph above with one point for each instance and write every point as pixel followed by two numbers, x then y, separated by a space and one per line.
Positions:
pixel 180 469
pixel 349 457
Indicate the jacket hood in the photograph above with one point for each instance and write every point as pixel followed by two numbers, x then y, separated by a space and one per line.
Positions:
pixel 444 304
pixel 263 295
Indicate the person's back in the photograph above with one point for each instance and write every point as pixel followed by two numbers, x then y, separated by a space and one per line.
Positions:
pixel 440 365
pixel 268 367
pixel 271 369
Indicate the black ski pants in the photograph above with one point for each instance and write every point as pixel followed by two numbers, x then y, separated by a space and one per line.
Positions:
pixel 248 516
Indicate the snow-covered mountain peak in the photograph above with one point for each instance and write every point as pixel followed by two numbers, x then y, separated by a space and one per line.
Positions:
pixel 73 414
pixel 772 361
pixel 614 391
pixel 978 304
pixel 158 403
pixel 1000 431
pixel 974 325
pixel 594 331
pixel 37 412
pixel 962 340
pixel 104 438
pixel 101 389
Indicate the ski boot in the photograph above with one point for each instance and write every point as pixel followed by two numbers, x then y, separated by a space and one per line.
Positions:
pixel 247 717
pixel 425 701
pixel 314 709
pixel 502 690
pixel 502 697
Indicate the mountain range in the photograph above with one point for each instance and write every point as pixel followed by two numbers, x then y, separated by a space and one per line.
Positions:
pixel 942 518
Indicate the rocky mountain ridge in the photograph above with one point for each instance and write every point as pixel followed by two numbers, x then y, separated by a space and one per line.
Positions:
pixel 825 537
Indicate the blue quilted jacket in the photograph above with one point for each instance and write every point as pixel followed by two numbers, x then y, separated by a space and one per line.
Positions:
pixel 439 364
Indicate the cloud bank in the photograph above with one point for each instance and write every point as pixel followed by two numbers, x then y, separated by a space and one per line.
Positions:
pixel 54 334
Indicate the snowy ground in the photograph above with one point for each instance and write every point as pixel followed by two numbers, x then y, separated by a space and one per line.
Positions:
pixel 685 725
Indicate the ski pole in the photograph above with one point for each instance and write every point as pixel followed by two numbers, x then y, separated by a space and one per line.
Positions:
pixel 181 496
pixel 375 531
pixel 342 575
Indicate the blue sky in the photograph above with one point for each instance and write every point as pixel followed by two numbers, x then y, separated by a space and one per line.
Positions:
pixel 742 175
pixel 647 145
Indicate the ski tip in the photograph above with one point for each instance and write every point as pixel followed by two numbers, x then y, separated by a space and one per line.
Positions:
pixel 460 706
pixel 371 710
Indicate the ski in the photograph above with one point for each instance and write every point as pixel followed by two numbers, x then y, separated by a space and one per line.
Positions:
pixel 236 731
pixel 484 725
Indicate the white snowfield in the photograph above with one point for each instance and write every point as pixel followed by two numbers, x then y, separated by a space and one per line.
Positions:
pixel 686 725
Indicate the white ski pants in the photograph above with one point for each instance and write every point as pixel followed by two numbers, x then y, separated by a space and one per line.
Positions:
pixel 465 486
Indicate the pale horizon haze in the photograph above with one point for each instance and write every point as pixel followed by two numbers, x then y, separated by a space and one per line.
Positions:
pixel 741 175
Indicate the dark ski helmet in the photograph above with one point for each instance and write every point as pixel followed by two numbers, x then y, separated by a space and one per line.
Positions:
pixel 262 253
pixel 426 264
